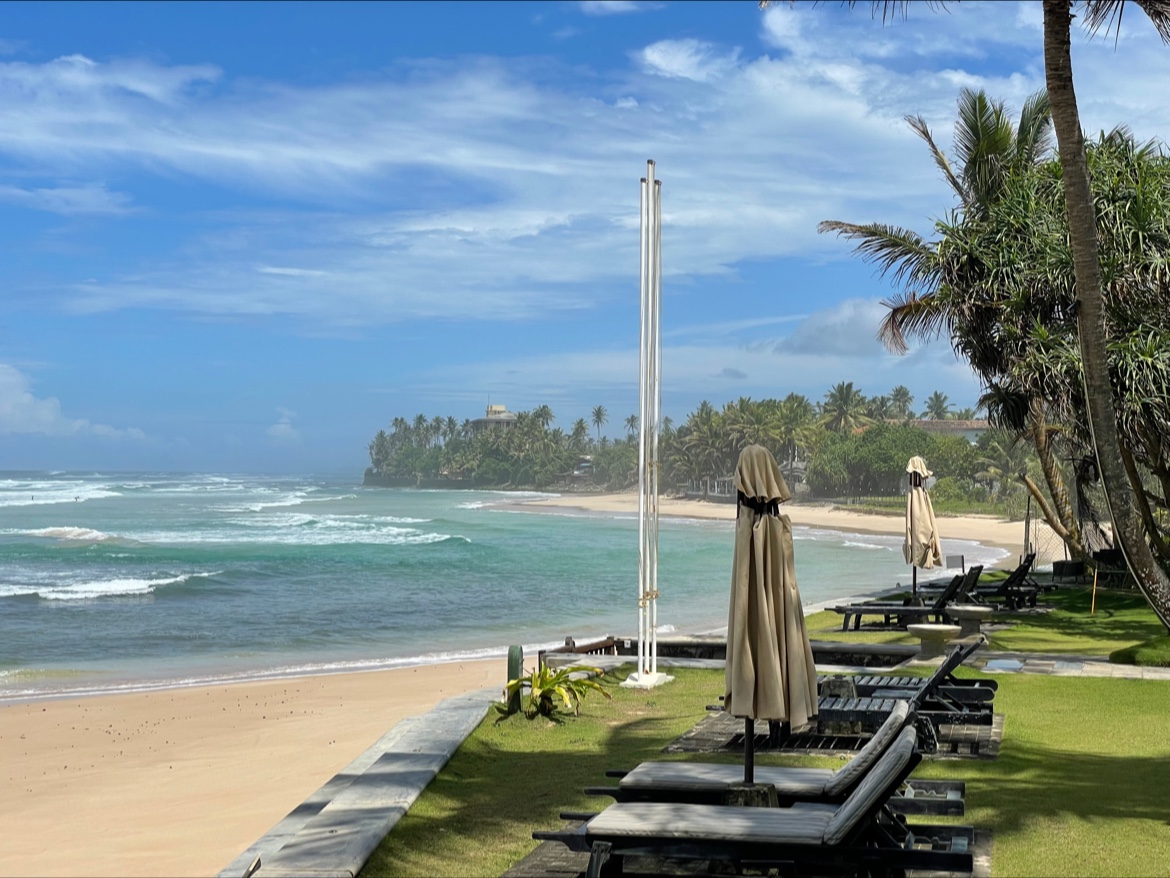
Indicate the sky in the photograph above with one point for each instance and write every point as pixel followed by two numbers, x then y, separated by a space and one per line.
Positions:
pixel 244 237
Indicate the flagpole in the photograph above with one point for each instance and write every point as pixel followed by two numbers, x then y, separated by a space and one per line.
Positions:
pixel 646 673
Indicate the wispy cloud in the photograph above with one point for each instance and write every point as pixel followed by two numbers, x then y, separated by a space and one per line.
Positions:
pixel 615 7
pixel 514 192
pixel 89 199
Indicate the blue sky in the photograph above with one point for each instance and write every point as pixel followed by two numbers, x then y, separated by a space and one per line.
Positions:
pixel 246 236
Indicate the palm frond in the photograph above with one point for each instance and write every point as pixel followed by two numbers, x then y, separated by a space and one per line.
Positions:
pixel 1105 15
pixel 921 129
pixel 906 255
pixel 911 314
pixel 1034 133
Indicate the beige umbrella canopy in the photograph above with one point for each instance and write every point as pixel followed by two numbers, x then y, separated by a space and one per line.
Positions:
pixel 922 547
pixel 770 671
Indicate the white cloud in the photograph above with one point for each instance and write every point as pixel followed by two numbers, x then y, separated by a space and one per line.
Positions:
pixel 283 431
pixel 614 7
pixel 688 59
pixel 536 204
pixel 23 412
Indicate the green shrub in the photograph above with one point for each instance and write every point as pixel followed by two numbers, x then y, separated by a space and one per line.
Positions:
pixel 545 686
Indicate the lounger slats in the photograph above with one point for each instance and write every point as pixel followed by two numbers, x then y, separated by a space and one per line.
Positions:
pixel 803 823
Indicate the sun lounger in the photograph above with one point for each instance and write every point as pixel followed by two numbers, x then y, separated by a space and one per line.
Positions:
pixel 1016 590
pixel 858 836
pixel 903 612
pixel 708 783
pixel 943 680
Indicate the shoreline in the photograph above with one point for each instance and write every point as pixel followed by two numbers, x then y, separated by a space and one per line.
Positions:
pixel 988 530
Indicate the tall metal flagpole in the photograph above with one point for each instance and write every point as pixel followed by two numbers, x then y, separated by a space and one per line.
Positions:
pixel 649 414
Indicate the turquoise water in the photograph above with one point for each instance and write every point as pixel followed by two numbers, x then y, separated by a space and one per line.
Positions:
pixel 129 581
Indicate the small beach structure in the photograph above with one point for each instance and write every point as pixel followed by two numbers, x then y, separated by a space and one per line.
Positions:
pixel 770 672
pixel 922 547
pixel 646 674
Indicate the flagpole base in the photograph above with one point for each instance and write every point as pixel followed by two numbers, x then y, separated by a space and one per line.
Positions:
pixel 645 681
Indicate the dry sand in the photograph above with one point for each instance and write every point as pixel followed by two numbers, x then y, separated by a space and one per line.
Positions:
pixel 989 530
pixel 180 782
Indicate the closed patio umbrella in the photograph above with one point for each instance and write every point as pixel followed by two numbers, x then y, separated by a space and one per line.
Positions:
pixel 922 547
pixel 770 671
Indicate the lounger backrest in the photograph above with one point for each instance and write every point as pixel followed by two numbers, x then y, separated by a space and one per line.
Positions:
pixel 881 782
pixel 954 658
pixel 856 768
pixel 1017 576
pixel 948 594
pixel 971 581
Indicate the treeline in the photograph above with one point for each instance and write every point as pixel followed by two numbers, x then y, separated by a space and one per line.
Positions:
pixel 847 445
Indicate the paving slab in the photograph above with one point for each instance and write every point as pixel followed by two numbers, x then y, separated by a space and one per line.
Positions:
pixel 335 830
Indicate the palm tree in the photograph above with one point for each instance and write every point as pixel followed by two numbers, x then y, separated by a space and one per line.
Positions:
pixel 600 417
pixel 543 415
pixel 580 434
pixel 844 409
pixel 1117 480
pixel 941 292
pixel 1128 526
pixel 900 402
pixel 631 427
pixel 879 408
pixel 937 407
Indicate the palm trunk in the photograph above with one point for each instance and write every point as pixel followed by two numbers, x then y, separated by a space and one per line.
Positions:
pixel 1127 527
pixel 1069 529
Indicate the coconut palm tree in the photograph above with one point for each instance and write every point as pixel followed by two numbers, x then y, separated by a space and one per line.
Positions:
pixel 1090 315
pixel 937 407
pixel 1130 528
pixel 631 427
pixel 543 415
pixel 600 418
pixel 900 402
pixel 843 409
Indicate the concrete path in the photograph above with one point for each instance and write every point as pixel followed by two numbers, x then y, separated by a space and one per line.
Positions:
pixel 335 830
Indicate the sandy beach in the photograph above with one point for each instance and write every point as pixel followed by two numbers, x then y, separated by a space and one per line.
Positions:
pixel 179 782
pixel 988 530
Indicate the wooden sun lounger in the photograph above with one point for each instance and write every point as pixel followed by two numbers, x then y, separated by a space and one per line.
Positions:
pixel 890 611
pixel 858 835
pixel 706 783
pixel 943 679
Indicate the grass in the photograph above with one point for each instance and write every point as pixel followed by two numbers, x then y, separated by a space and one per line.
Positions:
pixel 1120 621
pixel 1079 787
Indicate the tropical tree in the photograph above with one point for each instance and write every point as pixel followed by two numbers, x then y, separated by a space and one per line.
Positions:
pixel 948 291
pixel 844 408
pixel 1131 527
pixel 631 426
pixel 1116 479
pixel 900 402
pixel 937 407
pixel 580 434
pixel 600 418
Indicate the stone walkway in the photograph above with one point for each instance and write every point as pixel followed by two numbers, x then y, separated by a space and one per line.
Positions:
pixel 335 830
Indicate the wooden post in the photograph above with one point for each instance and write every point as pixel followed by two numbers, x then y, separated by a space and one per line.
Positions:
pixel 1093 603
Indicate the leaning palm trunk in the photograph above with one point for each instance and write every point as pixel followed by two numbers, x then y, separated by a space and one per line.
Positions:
pixel 1127 528
pixel 1062 520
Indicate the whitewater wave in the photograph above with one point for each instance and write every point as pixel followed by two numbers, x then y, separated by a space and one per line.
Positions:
pixel 70 534
pixel 297 528
pixel 15 492
pixel 97 588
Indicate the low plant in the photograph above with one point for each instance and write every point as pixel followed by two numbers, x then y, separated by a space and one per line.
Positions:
pixel 547 688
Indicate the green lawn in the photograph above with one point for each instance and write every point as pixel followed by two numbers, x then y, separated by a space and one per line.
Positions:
pixel 1080 786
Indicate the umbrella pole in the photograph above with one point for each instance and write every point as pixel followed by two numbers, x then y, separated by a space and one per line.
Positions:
pixel 913 581
pixel 749 750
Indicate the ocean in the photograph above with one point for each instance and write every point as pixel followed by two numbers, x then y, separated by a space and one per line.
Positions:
pixel 132 581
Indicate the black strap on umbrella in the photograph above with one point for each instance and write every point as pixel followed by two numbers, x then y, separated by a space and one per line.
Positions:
pixel 758 505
